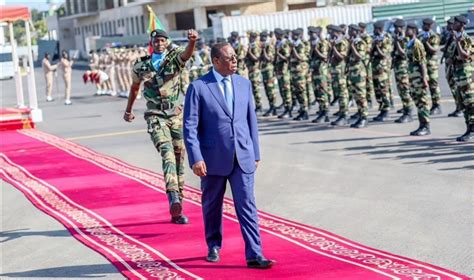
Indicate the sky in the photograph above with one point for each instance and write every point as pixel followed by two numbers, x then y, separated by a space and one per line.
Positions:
pixel 40 5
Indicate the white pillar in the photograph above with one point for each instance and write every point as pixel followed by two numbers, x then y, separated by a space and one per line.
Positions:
pixel 200 18
pixel 20 102
pixel 36 114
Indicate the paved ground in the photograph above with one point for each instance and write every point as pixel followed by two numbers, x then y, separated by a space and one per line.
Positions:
pixel 377 186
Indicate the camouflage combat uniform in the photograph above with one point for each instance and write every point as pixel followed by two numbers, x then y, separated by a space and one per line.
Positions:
pixel 268 73
pixel 282 71
pixel 241 52
pixel 450 49
pixel 357 74
pixel 416 58
pixel 161 90
pixel 400 66
pixel 298 72
pixel 381 71
pixel 368 64
pixel 309 79
pixel 432 64
pixel 462 75
pixel 338 75
pixel 255 76
pixel 320 74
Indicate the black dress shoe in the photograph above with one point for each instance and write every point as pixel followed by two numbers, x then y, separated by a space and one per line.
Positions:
pixel 435 110
pixel 260 263
pixel 213 255
pixel 181 220
pixel 456 114
pixel 175 204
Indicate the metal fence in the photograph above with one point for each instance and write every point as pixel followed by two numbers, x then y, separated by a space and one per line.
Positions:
pixel 440 9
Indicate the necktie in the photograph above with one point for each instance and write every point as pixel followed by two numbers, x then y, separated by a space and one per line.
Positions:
pixel 228 95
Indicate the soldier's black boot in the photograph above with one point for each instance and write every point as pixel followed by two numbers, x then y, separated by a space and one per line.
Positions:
pixel 333 102
pixel 336 114
pixel 435 110
pixel 258 109
pixel 468 136
pixel 322 117
pixel 400 111
pixel 286 114
pixel 405 118
pixel 381 117
pixel 341 121
pixel 360 123
pixel 271 112
pixel 423 130
pixel 356 116
pixel 176 208
pixel 280 106
pixel 456 114
pixel 302 116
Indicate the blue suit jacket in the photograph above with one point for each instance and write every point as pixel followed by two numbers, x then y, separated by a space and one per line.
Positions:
pixel 212 134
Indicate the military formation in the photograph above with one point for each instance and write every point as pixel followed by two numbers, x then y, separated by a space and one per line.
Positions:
pixel 344 65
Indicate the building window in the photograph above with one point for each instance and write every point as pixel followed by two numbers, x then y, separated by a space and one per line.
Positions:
pixel 76 7
pixel 137 25
pixel 127 26
pixel 115 27
pixel 109 4
pixel 102 31
pixel 110 28
pixel 142 19
pixel 133 26
pixel 185 20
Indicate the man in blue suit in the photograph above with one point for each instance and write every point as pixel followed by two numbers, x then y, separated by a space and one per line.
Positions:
pixel 221 137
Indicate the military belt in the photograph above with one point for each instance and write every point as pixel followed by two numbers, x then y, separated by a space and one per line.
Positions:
pixel 163 106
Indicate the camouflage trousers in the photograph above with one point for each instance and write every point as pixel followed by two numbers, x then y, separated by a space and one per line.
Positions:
pixel 403 83
pixel 298 88
pixel 284 85
pixel 449 72
pixel 420 93
pixel 167 137
pixel 432 66
pixel 465 89
pixel 268 77
pixel 369 82
pixel 339 88
pixel 320 76
pixel 309 87
pixel 256 80
pixel 357 86
pixel 381 73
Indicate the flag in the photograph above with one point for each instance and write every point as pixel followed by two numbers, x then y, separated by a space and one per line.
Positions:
pixel 154 22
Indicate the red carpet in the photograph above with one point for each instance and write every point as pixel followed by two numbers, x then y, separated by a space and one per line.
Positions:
pixel 12 119
pixel 121 212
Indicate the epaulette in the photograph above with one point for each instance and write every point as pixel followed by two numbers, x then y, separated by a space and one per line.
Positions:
pixel 143 58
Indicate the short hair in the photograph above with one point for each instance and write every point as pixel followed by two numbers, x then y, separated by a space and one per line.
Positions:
pixel 46 54
pixel 216 49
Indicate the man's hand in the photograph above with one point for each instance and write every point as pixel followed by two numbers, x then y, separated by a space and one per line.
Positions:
pixel 256 164
pixel 199 168
pixel 128 117
pixel 193 35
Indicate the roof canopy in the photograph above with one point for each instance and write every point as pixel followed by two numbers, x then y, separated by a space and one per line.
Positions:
pixel 14 13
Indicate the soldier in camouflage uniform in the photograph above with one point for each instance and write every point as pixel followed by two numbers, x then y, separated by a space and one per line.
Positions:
pixel 448 51
pixel 298 71
pixel 241 52
pixel 319 57
pixel 339 51
pixel 431 40
pixel 418 79
pixel 282 59
pixel 357 74
pixel 160 74
pixel 309 80
pixel 201 61
pixel 368 64
pixel 463 70
pixel 381 51
pixel 268 72
pixel 400 65
pixel 252 60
